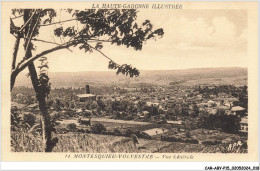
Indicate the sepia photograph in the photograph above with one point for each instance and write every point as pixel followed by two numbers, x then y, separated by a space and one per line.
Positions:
pixel 129 80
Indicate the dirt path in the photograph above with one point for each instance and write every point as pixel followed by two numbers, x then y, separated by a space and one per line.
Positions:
pixel 68 121
pixel 119 121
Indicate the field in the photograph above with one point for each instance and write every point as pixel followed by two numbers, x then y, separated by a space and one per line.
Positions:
pixel 92 143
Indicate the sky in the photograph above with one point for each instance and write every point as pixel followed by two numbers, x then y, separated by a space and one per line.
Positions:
pixel 192 39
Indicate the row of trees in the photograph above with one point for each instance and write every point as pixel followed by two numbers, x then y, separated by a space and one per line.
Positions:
pixel 226 123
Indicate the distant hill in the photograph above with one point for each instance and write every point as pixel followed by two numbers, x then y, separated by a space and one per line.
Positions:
pixel 236 76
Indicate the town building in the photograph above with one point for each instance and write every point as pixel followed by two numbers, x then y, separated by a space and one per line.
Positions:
pixel 87 97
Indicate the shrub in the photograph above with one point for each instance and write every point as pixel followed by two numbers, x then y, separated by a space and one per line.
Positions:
pixel 171 139
pixel 15 120
pixel 109 132
pixel 191 140
pixel 81 130
pixel 72 126
pixel 62 130
pixel 175 139
pixel 55 116
pixel 244 145
pixel 128 133
pixel 187 134
pixel 87 130
pixel 117 132
pixel 129 117
pixel 29 119
pixel 97 128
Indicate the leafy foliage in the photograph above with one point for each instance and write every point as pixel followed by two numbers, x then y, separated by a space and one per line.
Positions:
pixel 16 119
pixel 44 78
pixel 70 31
pixel 38 16
pixel 29 119
pixel 227 123
pixel 125 69
pixel 51 13
pixel 13 29
pixel 98 128
pixel 72 126
pixel 118 25
pixel 115 26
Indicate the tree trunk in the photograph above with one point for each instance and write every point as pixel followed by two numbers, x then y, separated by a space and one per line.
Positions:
pixel 45 117
pixel 46 125
pixel 16 47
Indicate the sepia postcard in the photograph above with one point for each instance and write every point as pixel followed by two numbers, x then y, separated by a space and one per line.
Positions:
pixel 129 81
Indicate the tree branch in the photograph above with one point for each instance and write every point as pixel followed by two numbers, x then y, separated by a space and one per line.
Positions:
pixel 23 64
pixel 44 41
pixel 33 29
pixel 98 40
pixel 59 22
pixel 26 62
pixel 16 47
pixel 21 29
pixel 101 52
pixel 39 40
pixel 28 52
pixel 66 21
